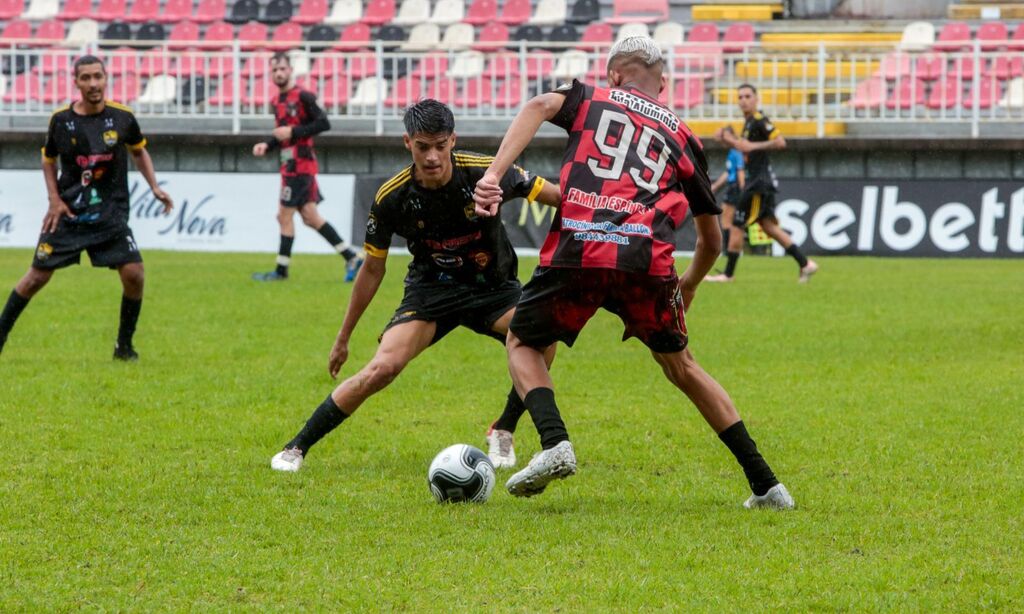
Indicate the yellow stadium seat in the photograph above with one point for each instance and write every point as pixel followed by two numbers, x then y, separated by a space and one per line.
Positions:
pixel 765 70
pixel 735 12
pixel 705 128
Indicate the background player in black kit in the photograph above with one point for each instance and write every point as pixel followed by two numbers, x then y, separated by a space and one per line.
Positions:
pixel 298 119
pixel 89 201
pixel 757 201
pixel 463 272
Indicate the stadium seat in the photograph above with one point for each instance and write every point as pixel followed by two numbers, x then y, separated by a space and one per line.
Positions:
pixel 195 63
pixel 258 92
pixel 404 92
pixel 598 71
pixel 668 34
pixel 3 86
pixel 39 10
pixel 530 34
pixel 515 12
pixel 502 65
pixel 256 65
pixel 219 35
pixel 48 34
pixel 150 32
pixel 251 35
pixel 907 94
pixel 357 36
pixel 286 36
pixel 457 37
pixel 632 29
pixel 321 33
pixel 570 65
pixel 869 94
pixel 210 11
pixel 539 64
pixel 388 33
pixel 993 35
pixel 23 87
pixel 16 30
pixel 688 93
pixel 111 10
pixel 379 12
pixel 182 35
pixel 225 94
pixel 989 91
pixel 474 93
pixel 160 90
pixel 918 36
pixel 549 13
pixel 946 93
pixel 176 11
pixel 311 12
pixel 154 62
pixel 1014 96
pixel 596 37
pixel 58 89
pixel 412 13
pixel 334 91
pixel 244 11
pixel 638 11
pixel 368 92
pixel 432 65
pixel 895 64
pixel 481 12
pixel 82 32
pixel 509 94
pixel 443 90
pixel 704 32
pixel 954 35
pixel 492 36
pixel 448 12
pixel 1016 42
pixel 327 64
pixel 142 11
pixel 738 36
pixel 467 65
pixel 1005 67
pixel 75 9
pixel 11 9
pixel 393 67
pixel 124 89
pixel 344 12
pixel 53 61
pixel 422 37
pixel 963 66
pixel 584 11
pixel 116 31
pixel 564 35
pixel 277 11
pixel 193 91
pixel 929 66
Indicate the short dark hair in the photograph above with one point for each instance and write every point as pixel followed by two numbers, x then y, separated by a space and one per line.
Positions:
pixel 429 116
pixel 85 60
pixel 281 56
pixel 746 86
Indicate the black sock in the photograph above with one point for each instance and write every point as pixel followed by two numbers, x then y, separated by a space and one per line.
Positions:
pixel 130 309
pixel 541 404
pixel 15 305
pixel 725 236
pixel 730 264
pixel 284 254
pixel 514 409
pixel 331 235
pixel 325 419
pixel 759 474
pixel 797 255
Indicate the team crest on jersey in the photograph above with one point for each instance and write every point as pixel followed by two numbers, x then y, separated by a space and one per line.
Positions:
pixel 293 110
pixel 43 251
pixel 371 225
pixel 470 210
pixel 482 259
pixel 110 138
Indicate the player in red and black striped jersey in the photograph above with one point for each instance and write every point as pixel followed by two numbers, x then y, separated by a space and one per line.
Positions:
pixel 298 118
pixel 630 173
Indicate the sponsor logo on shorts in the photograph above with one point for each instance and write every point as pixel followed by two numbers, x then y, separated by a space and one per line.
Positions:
pixel 110 138
pixel 43 251
pixel 447 261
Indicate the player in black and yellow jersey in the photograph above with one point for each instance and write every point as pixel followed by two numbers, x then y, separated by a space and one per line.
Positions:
pixel 91 140
pixel 463 271
pixel 757 201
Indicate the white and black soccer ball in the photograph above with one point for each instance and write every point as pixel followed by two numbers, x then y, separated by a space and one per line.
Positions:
pixel 461 473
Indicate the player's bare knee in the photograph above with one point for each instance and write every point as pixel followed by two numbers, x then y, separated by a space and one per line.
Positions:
pixel 381 372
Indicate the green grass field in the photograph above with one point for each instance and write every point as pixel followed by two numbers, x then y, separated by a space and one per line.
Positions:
pixel 887 395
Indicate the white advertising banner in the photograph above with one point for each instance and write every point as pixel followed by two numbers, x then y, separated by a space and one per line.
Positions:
pixel 217 212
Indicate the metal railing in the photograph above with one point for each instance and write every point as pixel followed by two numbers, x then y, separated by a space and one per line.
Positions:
pixel 818 84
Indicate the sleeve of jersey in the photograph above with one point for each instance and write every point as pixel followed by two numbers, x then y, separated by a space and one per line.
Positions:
pixel 317 118
pixel 134 139
pixel 378 231
pixel 737 159
pixel 50 147
pixel 574 93
pixel 698 187
pixel 519 183
pixel 769 129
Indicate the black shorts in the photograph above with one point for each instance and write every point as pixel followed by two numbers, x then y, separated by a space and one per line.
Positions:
pixel 62 248
pixel 300 190
pixel 452 304
pixel 558 302
pixel 754 207
pixel 731 195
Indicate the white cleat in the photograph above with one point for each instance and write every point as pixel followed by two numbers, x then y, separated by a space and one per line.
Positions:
pixel 287 460
pixel 777 498
pixel 721 278
pixel 555 464
pixel 499 448
pixel 807 271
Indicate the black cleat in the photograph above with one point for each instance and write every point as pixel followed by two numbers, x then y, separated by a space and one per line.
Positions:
pixel 270 276
pixel 127 353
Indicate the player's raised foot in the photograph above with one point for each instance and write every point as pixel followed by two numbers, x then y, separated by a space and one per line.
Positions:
pixel 499 448
pixel 125 353
pixel 270 276
pixel 777 498
pixel 554 464
pixel 287 460
pixel 718 279
pixel 807 271
pixel 352 267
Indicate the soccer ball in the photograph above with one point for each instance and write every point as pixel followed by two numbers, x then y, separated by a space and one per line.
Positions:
pixel 461 473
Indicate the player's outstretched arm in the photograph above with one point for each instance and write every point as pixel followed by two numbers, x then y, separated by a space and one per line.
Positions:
pixel 145 165
pixel 709 245
pixel 363 290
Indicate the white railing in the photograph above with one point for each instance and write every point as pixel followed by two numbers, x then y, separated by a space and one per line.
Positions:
pixel 818 84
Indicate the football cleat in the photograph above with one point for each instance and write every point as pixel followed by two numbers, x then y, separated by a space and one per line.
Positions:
pixel 720 278
pixel 499 448
pixel 554 464
pixel 269 276
pixel 352 268
pixel 287 460
pixel 777 498
pixel 126 353
pixel 807 271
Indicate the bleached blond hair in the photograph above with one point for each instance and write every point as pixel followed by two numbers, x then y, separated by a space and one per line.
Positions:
pixel 640 49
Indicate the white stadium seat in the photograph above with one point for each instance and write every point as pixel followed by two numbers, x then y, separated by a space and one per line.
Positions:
pixel 344 12
pixel 369 92
pixel 161 89
pixel 457 37
pixel 1014 97
pixel 467 65
pixel 447 12
pixel 669 34
pixel 412 12
pixel 549 13
pixel 632 29
pixel 918 36
pixel 423 37
pixel 82 32
pixel 571 65
pixel 300 62
pixel 41 10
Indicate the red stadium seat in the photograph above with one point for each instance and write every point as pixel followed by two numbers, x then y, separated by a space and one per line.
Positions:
pixel 598 72
pixel 219 35
pixel 929 66
pixel 946 93
pixel 509 94
pixel 737 37
pixel 50 32
pixel 210 11
pixel 539 64
pixel 111 10
pixel 989 91
pixel 327 65
pixel 355 36
pixel 361 65
pixel 596 37
pixel 123 60
pixel 895 65
pixel 954 35
pixel 432 65
pixel 492 36
pixel 251 34
pixel 379 12
pixel 638 11
pixel 155 62
pixel 869 94
pixel 225 96
pixel 908 94
pixel 143 11
pixel 404 92
pixel 688 93
pixel 176 11
pixel 443 90
pixel 703 32
pixel 286 36
pixel 1005 67
pixel 993 35
pixel 334 92
pixel 54 61
pixel 475 92
pixel 124 89
pixel 75 9
pixel 481 12
pixel 516 12
pixel 11 9
pixel 1016 42
pixel 258 92
pixel 963 67
pixel 24 87
pixel 311 12
pixel 16 30
pixel 502 65
pixel 183 35
pixel 58 89
pixel 257 65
